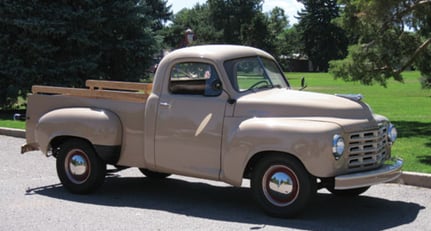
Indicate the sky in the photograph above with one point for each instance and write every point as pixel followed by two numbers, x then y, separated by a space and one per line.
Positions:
pixel 291 7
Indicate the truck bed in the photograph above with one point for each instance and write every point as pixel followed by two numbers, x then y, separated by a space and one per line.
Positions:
pixel 127 100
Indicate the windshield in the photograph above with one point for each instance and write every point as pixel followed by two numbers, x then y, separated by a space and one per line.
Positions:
pixel 252 73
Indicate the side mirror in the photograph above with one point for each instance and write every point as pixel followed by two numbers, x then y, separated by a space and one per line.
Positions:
pixel 303 84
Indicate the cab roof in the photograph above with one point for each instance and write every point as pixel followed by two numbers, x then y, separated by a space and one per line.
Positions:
pixel 217 52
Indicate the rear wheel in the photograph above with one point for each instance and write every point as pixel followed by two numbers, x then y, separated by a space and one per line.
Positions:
pixel 153 174
pixel 282 186
pixel 79 168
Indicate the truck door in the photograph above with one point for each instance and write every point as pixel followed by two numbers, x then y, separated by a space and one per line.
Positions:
pixel 190 121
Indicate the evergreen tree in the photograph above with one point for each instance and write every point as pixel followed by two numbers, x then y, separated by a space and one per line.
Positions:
pixel 323 40
pixel 240 22
pixel 63 43
pixel 161 13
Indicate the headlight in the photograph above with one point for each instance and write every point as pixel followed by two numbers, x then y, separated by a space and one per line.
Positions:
pixel 392 133
pixel 337 146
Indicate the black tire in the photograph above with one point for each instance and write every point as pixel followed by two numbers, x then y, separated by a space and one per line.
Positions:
pixel 79 168
pixel 154 175
pixel 348 192
pixel 273 177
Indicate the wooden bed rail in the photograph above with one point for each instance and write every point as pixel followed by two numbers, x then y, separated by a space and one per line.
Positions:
pixel 117 85
pixel 129 91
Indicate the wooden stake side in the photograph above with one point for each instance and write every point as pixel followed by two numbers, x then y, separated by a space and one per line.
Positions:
pixel 118 85
pixel 135 92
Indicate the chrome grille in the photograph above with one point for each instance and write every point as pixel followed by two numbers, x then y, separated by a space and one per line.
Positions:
pixel 368 149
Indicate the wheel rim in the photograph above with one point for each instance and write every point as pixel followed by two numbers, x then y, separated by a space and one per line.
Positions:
pixel 77 166
pixel 280 185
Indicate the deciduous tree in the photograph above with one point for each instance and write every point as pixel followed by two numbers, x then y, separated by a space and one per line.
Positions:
pixel 391 36
pixel 197 19
pixel 277 25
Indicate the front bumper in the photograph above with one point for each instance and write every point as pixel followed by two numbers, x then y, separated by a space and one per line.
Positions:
pixel 386 173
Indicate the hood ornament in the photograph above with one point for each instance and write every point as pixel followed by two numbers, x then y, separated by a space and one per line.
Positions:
pixel 354 97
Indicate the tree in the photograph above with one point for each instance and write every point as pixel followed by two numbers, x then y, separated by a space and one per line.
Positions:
pixel 277 25
pixel 323 40
pixel 391 36
pixel 290 46
pixel 127 42
pixel 196 19
pixel 161 13
pixel 63 43
pixel 233 22
pixel 292 42
pixel 240 22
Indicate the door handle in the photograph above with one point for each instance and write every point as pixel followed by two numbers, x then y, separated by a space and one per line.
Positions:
pixel 165 104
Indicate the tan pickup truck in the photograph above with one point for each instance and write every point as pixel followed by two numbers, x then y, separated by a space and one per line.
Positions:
pixel 218 112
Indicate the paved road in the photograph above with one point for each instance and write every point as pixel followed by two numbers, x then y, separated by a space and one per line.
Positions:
pixel 31 198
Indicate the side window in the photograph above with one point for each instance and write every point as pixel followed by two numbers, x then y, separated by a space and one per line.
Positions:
pixel 193 78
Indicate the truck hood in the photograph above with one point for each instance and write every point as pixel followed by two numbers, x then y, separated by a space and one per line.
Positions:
pixel 304 105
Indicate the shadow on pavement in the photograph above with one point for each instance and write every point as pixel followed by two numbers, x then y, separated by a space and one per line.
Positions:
pixel 232 204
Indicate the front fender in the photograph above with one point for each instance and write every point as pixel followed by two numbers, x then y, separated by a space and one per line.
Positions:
pixel 101 127
pixel 308 141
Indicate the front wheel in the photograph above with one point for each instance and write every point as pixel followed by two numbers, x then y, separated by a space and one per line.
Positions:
pixel 282 186
pixel 79 168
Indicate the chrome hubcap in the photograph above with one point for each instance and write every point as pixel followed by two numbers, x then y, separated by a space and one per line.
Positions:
pixel 280 185
pixel 77 166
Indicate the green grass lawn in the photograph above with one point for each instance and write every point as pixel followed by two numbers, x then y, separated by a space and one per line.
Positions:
pixel 405 104
pixel 7 121
pixel 12 124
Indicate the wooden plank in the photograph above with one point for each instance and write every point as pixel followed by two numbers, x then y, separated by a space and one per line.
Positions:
pixel 118 85
pixel 118 95
pixel 82 92
pixel 37 89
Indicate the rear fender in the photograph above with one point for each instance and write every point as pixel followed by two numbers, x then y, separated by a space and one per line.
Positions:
pixel 102 128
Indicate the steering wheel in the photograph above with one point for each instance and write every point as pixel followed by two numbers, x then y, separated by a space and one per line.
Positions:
pixel 258 83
